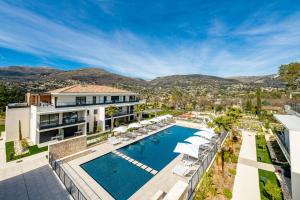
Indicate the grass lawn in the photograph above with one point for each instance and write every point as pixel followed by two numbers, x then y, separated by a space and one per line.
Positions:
pixel 97 138
pixel 270 176
pixel 10 152
pixel 2 128
pixel 262 151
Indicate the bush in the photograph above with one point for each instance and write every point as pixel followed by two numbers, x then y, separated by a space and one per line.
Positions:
pixel 227 193
pixel 10 151
pixel 234 158
pixel 232 171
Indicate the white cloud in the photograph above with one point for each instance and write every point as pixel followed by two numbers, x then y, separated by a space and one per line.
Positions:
pixel 127 53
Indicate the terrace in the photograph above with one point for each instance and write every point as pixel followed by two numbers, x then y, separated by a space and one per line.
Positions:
pixel 163 180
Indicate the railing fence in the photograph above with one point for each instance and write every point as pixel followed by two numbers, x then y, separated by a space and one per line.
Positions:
pixel 65 179
pixel 196 177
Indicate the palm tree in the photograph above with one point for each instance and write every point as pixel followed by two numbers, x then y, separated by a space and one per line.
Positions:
pixel 138 109
pixel 111 111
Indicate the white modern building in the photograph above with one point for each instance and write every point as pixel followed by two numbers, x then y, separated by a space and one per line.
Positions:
pixel 68 112
pixel 289 142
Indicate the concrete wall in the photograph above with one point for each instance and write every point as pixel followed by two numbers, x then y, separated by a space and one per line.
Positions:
pixel 13 116
pixel 295 163
pixel 68 147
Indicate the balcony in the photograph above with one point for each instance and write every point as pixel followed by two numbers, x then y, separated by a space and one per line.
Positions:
pixel 56 124
pixel 120 114
pixel 87 103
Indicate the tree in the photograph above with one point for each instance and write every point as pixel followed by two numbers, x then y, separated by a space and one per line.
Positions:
pixel 290 74
pixel 258 101
pixel 20 131
pixel 138 109
pixel 273 190
pixel 176 98
pixel 249 106
pixel 111 111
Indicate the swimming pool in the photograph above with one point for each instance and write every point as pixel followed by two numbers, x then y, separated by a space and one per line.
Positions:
pixel 121 178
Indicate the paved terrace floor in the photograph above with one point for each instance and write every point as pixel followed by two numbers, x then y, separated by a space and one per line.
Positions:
pixel 163 180
pixel 32 179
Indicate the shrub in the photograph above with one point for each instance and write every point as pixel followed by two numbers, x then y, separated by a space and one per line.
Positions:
pixel 10 151
pixel 24 144
pixel 227 193
pixel 234 158
pixel 232 171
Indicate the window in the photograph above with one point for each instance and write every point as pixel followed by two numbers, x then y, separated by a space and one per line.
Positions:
pixel 49 119
pixel 88 112
pixel 80 100
pixel 95 112
pixel 114 98
pixel 105 99
pixel 88 127
pixel 94 100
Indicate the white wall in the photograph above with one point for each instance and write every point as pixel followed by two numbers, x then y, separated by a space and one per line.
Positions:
pixel 13 116
pixel 294 137
pixel 33 124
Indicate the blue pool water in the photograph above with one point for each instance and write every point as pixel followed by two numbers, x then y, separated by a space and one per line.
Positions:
pixel 116 175
pixel 156 151
pixel 121 178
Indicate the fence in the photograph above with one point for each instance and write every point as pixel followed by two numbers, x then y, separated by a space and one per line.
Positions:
pixel 196 177
pixel 65 179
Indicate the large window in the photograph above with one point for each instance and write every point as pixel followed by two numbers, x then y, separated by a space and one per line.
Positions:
pixel 49 119
pixel 115 98
pixel 70 117
pixel 80 100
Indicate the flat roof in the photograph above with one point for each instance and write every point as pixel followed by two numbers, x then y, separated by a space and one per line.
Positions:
pixel 291 122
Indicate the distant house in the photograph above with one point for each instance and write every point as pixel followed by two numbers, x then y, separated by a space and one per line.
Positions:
pixel 68 112
pixel 272 109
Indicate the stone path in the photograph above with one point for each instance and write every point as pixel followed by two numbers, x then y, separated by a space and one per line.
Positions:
pixel 246 184
pixel 135 162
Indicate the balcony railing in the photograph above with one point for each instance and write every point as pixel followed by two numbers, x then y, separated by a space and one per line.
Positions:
pixel 64 123
pixel 89 103
pixel 120 114
pixel 295 107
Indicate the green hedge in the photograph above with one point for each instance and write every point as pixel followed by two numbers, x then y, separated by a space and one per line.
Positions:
pixel 32 150
pixel 2 128
pixel 265 176
pixel 262 150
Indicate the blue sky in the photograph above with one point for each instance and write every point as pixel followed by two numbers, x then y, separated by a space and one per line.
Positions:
pixel 152 38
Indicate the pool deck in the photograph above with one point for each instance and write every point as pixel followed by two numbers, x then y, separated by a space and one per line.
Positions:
pixel 163 180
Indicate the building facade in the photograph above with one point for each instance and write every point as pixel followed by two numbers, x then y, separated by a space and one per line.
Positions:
pixel 68 112
pixel 289 142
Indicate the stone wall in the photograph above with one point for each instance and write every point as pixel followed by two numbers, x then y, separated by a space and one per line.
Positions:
pixel 68 147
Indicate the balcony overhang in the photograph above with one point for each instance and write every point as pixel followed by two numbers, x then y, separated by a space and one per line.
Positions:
pixel 290 122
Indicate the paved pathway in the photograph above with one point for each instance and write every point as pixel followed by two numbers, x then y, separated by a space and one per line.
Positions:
pixel 246 184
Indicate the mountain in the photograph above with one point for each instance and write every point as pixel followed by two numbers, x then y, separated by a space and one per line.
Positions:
pixel 190 80
pixel 272 80
pixel 44 78
pixel 89 75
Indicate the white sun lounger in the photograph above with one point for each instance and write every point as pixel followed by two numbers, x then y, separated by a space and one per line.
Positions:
pixel 181 170
pixel 113 140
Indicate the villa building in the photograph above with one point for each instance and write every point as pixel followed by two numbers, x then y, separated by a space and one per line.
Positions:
pixel 289 142
pixel 68 112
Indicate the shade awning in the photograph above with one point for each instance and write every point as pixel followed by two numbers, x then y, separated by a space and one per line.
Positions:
pixel 145 122
pixel 206 134
pixel 208 130
pixel 198 141
pixel 120 129
pixel 155 119
pixel 134 125
pixel 188 149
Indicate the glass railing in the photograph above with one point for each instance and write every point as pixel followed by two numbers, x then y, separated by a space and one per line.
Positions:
pixel 87 103
pixel 64 123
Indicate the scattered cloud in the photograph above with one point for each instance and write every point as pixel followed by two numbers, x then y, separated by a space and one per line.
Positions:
pixel 247 49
